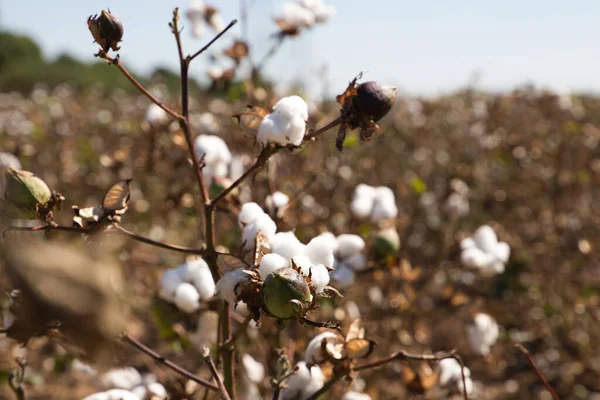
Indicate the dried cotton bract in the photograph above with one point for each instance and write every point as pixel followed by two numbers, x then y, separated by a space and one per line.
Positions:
pixel 482 334
pixel 286 124
pixel 484 252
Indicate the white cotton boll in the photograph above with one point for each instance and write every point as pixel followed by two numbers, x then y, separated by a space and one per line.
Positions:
pixel 287 245
pixel 196 10
pixel 169 281
pixel 304 263
pixel 467 243
pixel 207 122
pixel 227 284
pixel 155 114
pixel 187 298
pixel 384 206
pixel 486 238
pixel 157 390
pixel 331 240
pixel 295 15
pixel 119 394
pixel 361 207
pixel 468 384
pixel 286 124
pixel 357 262
pixel 267 130
pixel 217 170
pixel 314 352
pixel 292 106
pixel 213 148
pixel 482 334
pixel 349 245
pixel 320 277
pixel 97 396
pixel 276 201
pixel 303 382
pixel 255 371
pixel 355 396
pixel 343 276
pixel 198 273
pixel 122 378
pixel 271 262
pixel 474 258
pixel 214 72
pixel 263 224
pixel 502 251
pixel 140 391
pixel 206 330
pixel 216 22
pixel 363 190
pixel 457 204
pixel 450 370
pixel 320 251
pixel 248 213
pixel 197 29
pixel 384 193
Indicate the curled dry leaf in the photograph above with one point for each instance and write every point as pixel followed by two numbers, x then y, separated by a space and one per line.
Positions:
pixel 64 292
pixel 250 120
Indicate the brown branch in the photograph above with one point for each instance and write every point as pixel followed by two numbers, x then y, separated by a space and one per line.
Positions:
pixel 279 383
pixel 215 373
pixel 313 134
pixel 162 245
pixel 326 387
pixel 117 62
pixel 228 344
pixel 537 370
pixel 157 357
pixel 203 49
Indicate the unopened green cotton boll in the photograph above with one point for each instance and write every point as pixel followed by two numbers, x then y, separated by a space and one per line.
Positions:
pixel 285 292
pixel 25 192
pixel 385 243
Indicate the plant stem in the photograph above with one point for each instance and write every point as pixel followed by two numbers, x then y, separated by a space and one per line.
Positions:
pixel 203 49
pixel 215 374
pixel 167 246
pixel 157 357
pixel 319 131
pixel 537 370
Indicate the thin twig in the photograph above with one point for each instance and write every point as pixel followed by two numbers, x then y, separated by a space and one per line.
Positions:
pixel 240 332
pixel 174 247
pixel 117 62
pixel 315 133
pixel 215 373
pixel 537 370
pixel 280 383
pixel 157 357
pixel 325 387
pixel 403 355
pixel 270 53
pixel 203 49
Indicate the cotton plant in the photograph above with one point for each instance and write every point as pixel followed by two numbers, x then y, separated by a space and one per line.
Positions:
pixel 451 375
pixel 128 384
pixel 217 156
pixel 484 252
pixel 482 334
pixel 187 285
pixel 286 124
pixel 293 18
pixel 276 203
pixel 200 14
pixel 374 203
pixel 349 258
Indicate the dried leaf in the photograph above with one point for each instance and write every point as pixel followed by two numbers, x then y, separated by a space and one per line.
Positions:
pixel 261 247
pixel 358 348
pixel 117 197
pixel 250 120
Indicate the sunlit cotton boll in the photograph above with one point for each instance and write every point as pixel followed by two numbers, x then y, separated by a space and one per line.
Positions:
pixel 248 213
pixel 286 124
pixel 122 378
pixel 349 245
pixel 254 370
pixel 264 224
pixel 384 206
pixel 320 251
pixel 113 394
pixel 484 252
pixel 331 240
pixel 187 298
pixel 216 155
pixel 314 351
pixel 303 382
pixel 198 273
pixel 295 16
pixel 450 373
pixel 226 286
pixel 276 202
pixel 171 278
pixel 482 334
pixel 195 14
pixel 287 245
pixel 320 10
pixel 355 396
pixel 271 262
pixel 155 115
pixel 320 277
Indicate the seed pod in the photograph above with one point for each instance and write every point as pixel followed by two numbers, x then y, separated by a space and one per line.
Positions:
pixel 286 293
pixel 25 193
pixel 374 99
pixel 385 243
pixel 106 29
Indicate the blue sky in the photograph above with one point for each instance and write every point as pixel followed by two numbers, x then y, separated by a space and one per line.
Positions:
pixel 424 47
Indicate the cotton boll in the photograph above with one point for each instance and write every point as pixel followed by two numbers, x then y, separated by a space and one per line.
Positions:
pixel 349 245
pixel 302 262
pixel 343 276
pixel 255 371
pixel 263 224
pixel 157 390
pixel 171 278
pixel 467 243
pixel 294 15
pixel 474 258
pixel 357 262
pixel 122 378
pixel 291 106
pixel 303 382
pixel 202 279
pixel 450 370
pixel 213 148
pixel 482 334
pixel 331 240
pixel 361 207
pixel 226 286
pixel 384 206
pixel 155 114
pixel 363 190
pixel 355 396
pixel 120 394
pixel 248 213
pixel 324 13
pixel 267 130
pixel 486 238
pixel 320 277
pixel 216 22
pixel 140 391
pixel 314 351
pixel 286 124
pixel 502 251
pixel 276 202
pixel 287 245
pixel 187 298
pixel 320 251
pixel 270 263
pixel 97 396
